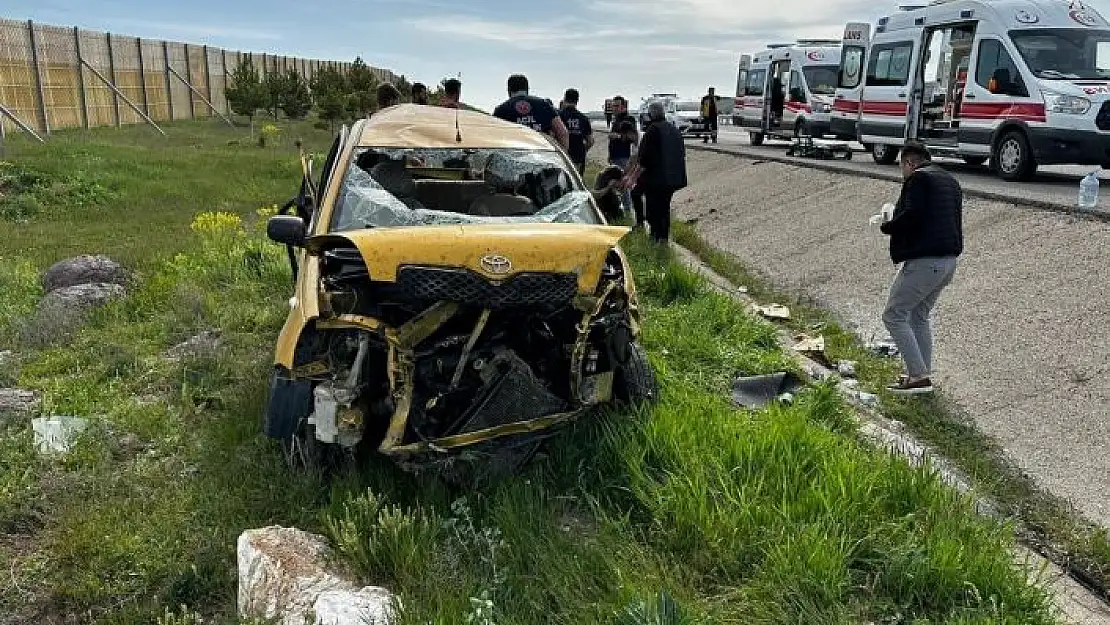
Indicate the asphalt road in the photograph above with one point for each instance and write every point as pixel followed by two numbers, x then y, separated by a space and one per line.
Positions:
pixel 1055 187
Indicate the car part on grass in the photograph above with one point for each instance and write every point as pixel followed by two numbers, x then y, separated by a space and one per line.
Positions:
pixel 813 348
pixel 754 392
pixel 774 311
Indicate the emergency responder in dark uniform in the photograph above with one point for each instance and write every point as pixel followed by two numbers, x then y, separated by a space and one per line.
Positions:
pixel 709 115
pixel 536 113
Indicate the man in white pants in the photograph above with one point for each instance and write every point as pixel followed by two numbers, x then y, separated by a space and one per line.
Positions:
pixel 926 238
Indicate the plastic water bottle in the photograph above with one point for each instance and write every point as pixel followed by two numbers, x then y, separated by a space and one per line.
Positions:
pixel 1088 190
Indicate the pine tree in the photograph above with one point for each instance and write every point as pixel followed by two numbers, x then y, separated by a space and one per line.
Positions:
pixel 245 95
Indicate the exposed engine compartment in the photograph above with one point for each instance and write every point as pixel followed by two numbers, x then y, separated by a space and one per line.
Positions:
pixel 445 358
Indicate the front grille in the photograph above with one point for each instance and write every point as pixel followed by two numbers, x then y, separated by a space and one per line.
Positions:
pixel 467 287
pixel 1103 118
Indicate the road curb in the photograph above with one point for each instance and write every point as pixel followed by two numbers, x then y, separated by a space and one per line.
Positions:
pixel 1074 211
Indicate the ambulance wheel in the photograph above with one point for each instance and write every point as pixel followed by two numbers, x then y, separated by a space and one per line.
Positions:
pixel 975 161
pixel 756 138
pixel 884 154
pixel 1013 158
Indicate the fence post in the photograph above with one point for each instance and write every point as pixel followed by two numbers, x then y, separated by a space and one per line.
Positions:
pixel 169 89
pixel 223 60
pixel 112 76
pixel 38 76
pixel 142 74
pixel 81 95
pixel 207 76
pixel 189 81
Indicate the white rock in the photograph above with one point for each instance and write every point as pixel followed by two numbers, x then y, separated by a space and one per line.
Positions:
pixel 846 368
pixel 283 573
pixel 868 399
pixel 56 435
pixel 369 606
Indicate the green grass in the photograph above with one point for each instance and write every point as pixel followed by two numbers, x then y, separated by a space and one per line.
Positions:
pixel 693 512
pixel 1047 523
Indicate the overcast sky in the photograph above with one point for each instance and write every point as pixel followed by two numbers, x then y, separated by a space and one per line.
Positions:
pixel 601 47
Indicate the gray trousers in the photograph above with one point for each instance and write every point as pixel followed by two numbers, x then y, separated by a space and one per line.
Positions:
pixel 910 306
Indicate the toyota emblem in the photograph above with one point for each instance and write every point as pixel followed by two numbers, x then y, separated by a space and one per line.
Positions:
pixel 496 264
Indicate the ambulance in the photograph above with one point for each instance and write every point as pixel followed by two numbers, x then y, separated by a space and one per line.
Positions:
pixel 846 104
pixel 787 90
pixel 1020 83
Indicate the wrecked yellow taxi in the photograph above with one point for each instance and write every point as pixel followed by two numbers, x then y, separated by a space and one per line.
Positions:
pixel 458 296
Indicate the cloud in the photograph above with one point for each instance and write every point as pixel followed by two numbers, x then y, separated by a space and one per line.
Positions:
pixel 197 31
pixel 568 34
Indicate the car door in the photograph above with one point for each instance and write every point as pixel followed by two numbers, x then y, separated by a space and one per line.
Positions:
pixel 796 101
pixel 886 92
pixel 995 91
pixel 846 105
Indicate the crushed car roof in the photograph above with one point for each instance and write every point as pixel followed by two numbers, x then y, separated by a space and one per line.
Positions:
pixel 419 126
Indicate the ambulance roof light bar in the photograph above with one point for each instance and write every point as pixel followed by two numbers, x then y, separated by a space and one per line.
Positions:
pixel 775 46
pixel 819 42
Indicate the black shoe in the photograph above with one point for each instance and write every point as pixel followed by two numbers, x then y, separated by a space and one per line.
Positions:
pixel 905 387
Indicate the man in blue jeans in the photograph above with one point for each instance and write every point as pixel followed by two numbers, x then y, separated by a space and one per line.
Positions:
pixel 926 237
pixel 623 135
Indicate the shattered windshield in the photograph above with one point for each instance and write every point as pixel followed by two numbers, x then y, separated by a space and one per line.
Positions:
pixel 1065 53
pixel 394 187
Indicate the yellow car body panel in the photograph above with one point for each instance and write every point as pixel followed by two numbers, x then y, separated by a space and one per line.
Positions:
pixel 529 248
pixel 417 126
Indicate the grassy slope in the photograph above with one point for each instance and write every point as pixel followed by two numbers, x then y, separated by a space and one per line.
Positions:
pixel 777 516
pixel 1045 521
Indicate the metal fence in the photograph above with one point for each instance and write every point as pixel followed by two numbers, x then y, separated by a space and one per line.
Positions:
pixel 55 77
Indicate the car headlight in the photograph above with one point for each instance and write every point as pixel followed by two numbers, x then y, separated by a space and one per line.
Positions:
pixel 1065 104
pixel 826 108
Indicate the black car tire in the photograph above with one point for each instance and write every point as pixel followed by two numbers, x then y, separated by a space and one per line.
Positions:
pixel 884 154
pixel 635 383
pixel 1013 157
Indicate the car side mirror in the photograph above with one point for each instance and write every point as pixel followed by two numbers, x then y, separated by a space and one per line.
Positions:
pixel 286 229
pixel 796 95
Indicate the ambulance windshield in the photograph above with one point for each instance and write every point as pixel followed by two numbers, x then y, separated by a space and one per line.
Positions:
pixel 1065 53
pixel 821 79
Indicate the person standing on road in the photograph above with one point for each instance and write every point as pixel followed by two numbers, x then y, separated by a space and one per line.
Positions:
pixel 660 170
pixel 623 137
pixel 926 238
pixel 709 115
pixel 536 113
pixel 452 93
pixel 581 134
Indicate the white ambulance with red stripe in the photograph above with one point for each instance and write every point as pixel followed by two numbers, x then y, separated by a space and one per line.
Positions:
pixel 787 90
pixel 1020 83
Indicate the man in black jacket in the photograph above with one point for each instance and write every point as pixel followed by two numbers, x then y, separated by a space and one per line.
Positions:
pixel 926 237
pixel 659 170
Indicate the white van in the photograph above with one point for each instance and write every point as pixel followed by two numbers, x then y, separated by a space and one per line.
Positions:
pixel 787 90
pixel 1019 82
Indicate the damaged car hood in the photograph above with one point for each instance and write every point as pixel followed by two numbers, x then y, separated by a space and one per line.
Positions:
pixel 496 251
